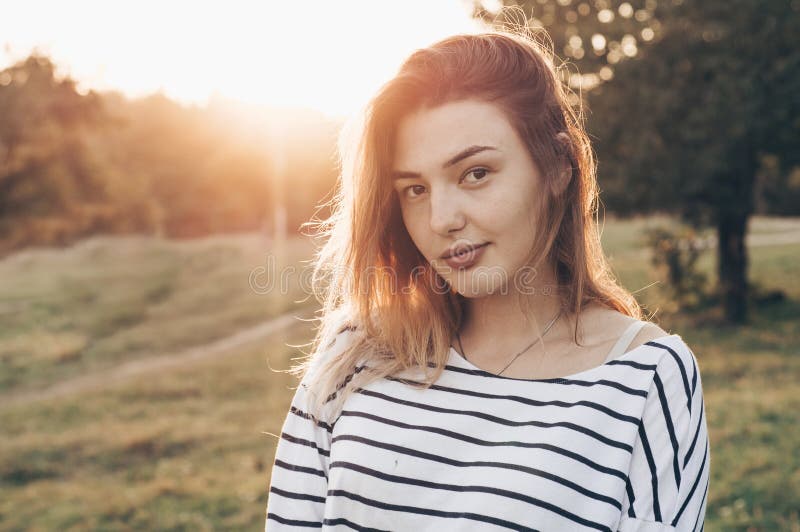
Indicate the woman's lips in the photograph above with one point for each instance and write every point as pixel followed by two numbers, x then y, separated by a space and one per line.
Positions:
pixel 467 259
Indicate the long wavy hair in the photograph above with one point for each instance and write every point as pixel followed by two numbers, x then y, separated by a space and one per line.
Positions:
pixel 369 275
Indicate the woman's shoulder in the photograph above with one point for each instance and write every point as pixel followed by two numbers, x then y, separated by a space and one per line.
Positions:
pixel 667 349
pixel 648 332
pixel 606 324
pixel 676 378
pixel 672 347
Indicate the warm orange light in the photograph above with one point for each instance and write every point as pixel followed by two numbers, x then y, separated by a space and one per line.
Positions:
pixel 321 54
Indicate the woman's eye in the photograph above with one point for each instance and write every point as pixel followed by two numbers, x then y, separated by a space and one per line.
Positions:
pixel 414 190
pixel 478 173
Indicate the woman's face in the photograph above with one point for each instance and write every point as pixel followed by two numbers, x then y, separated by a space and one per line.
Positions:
pixel 463 177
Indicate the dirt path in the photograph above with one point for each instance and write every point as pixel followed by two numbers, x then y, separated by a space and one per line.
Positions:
pixel 123 372
pixel 774 239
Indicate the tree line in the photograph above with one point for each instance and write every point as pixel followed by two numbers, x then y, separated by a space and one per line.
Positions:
pixel 74 164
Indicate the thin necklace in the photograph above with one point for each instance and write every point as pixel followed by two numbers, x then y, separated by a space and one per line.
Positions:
pixel 547 328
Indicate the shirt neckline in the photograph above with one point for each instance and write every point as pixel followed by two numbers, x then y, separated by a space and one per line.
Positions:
pixel 460 360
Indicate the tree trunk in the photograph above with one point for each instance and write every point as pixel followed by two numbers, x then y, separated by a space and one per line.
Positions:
pixel 732 266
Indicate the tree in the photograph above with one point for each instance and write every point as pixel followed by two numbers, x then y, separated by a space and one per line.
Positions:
pixel 683 121
pixel 46 169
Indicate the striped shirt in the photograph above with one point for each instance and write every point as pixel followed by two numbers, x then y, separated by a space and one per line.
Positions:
pixel 621 446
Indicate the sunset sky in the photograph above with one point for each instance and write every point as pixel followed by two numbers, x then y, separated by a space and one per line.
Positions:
pixel 327 55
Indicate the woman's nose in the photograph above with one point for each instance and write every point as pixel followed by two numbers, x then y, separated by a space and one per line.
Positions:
pixel 446 213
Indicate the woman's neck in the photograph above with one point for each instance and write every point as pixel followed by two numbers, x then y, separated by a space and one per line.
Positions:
pixel 505 323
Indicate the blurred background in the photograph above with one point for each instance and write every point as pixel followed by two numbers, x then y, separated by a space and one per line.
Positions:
pixel 158 160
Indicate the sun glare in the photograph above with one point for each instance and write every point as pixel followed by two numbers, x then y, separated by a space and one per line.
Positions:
pixel 326 55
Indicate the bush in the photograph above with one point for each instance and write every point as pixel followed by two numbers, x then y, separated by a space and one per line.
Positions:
pixel 675 252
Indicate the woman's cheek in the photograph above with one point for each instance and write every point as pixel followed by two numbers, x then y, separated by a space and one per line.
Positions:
pixel 414 223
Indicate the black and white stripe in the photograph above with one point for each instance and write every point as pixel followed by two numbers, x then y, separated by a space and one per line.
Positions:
pixel 623 446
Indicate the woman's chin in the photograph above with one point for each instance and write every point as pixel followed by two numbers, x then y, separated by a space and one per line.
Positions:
pixel 480 282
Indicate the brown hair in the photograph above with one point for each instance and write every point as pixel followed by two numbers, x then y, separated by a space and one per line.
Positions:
pixel 369 275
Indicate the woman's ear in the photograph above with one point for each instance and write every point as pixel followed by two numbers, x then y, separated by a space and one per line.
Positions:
pixel 562 178
pixel 564 174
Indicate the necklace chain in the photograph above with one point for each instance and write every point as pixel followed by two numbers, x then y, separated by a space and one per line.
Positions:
pixel 547 328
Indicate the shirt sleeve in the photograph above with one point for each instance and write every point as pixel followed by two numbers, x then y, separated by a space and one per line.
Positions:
pixel 668 480
pixel 299 481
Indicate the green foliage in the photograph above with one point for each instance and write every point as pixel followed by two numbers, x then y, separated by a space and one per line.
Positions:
pixel 777 191
pixel 674 253
pixel 702 105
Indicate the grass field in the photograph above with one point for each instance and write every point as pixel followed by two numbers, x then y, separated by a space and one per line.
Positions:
pixel 188 449
pixel 105 300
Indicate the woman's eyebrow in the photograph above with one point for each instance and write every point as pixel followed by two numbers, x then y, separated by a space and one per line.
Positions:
pixel 460 156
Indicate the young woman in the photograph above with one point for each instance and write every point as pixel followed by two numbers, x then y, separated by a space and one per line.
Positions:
pixel 477 366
